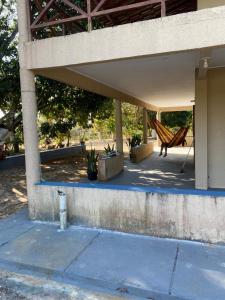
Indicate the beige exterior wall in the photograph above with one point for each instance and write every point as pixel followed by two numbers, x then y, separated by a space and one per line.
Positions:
pixel 210 3
pixel 201 134
pixel 210 130
pixel 216 128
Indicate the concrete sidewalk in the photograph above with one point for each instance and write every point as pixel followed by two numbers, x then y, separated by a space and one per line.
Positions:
pixel 117 265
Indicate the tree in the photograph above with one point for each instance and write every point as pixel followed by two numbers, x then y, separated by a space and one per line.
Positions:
pixel 63 105
pixel 177 119
pixel 9 70
pixel 66 107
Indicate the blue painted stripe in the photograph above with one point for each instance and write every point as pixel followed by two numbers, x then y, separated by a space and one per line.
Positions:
pixel 174 191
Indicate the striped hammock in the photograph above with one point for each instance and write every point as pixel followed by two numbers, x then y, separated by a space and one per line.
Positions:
pixel 167 138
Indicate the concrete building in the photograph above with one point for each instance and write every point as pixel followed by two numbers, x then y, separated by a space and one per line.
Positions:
pixel 162 56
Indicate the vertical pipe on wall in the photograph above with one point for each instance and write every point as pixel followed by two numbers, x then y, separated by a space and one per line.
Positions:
pixel 29 108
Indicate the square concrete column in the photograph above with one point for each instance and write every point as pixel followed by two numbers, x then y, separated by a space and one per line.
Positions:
pixel 119 126
pixel 158 117
pixel 145 126
pixel 29 108
pixel 201 134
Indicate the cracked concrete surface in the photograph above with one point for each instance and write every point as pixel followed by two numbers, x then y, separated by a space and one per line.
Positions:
pixel 38 260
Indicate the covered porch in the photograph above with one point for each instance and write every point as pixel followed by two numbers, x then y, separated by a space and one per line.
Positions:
pixel 157 172
pixel 147 64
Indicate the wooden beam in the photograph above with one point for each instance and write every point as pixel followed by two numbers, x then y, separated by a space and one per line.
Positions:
pixel 43 12
pixel 64 15
pixel 52 23
pixel 99 5
pixel 39 7
pixel 107 16
pixel 75 7
pixel 89 15
pixel 124 7
pixel 163 8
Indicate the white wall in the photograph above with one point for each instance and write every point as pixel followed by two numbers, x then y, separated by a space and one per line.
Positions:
pixel 210 3
pixel 216 128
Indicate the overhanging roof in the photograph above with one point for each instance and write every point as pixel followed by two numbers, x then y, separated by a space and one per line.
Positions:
pixel 149 63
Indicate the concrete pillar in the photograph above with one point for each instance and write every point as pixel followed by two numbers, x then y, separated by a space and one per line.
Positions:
pixel 29 108
pixel 158 117
pixel 119 126
pixel 145 126
pixel 201 135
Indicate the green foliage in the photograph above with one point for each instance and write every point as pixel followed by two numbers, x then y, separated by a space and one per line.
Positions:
pixel 61 106
pixel 132 119
pixel 134 141
pixel 177 119
pixel 92 159
pixel 110 151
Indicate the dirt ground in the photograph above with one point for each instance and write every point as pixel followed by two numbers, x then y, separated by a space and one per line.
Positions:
pixel 13 182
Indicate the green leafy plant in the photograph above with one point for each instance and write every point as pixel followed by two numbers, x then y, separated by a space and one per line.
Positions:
pixel 110 151
pixel 134 141
pixel 92 169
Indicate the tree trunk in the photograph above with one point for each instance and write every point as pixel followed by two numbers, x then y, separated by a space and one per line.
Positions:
pixel 16 147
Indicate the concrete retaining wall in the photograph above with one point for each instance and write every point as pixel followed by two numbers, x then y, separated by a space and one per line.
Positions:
pixel 139 153
pixel 182 216
pixel 46 156
pixel 109 167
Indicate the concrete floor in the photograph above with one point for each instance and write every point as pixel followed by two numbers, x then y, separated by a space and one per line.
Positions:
pixel 112 263
pixel 159 171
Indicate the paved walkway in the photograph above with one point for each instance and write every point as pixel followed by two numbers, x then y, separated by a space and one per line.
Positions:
pixel 120 265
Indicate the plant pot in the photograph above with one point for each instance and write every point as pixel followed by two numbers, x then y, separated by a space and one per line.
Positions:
pixel 92 176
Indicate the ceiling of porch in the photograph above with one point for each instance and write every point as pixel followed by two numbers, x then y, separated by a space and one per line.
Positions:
pixel 163 81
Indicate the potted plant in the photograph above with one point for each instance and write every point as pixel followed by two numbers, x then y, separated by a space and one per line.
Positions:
pixel 110 151
pixel 135 141
pixel 92 170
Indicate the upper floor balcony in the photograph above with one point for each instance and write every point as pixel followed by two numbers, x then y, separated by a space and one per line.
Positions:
pixel 52 18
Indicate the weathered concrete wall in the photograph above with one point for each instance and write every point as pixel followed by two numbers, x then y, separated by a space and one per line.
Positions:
pixel 46 156
pixel 141 152
pixel 181 216
pixel 109 167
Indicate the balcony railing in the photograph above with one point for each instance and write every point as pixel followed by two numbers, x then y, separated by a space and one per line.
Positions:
pixel 62 17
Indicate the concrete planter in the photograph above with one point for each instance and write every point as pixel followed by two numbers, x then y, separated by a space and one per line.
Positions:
pixel 139 153
pixel 109 167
